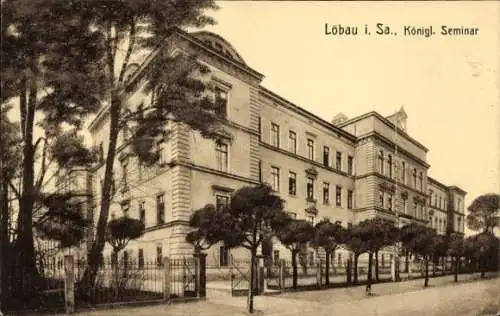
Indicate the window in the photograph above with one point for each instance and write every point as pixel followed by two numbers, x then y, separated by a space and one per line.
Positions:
pixel 275 135
pixel 440 203
pixel 459 224
pixel 326 193
pixel 159 256
pixel 310 149
pixel 381 162
pixel 338 161
pixel 140 258
pixel 436 223
pixel 414 209
pixel 349 199
pixel 415 178
pixel 124 182
pixel 311 258
pixel 260 171
pixel 310 188
pixel 292 183
pixel 432 223
pixel 403 172
pixel 389 202
pixel 275 175
pixel 259 123
pixel 223 256
pixel 160 152
pixel 389 166
pixel 220 100
pixel 349 225
pixel 292 142
pixel 421 181
pixel 160 209
pixel 221 201
pixel 221 152
pixel 125 208
pixel 326 156
pixel 142 212
pixel 338 195
pixel 350 165
pixel 380 199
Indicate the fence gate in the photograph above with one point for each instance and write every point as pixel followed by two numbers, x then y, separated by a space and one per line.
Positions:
pixel 189 277
pixel 240 277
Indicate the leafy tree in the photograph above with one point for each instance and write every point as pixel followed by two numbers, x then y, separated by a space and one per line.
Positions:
pixel 484 213
pixel 439 250
pixel 294 235
pixel 253 212
pixel 357 245
pixel 176 83
pixel 420 240
pixel 329 236
pixel 485 250
pixel 121 231
pixel 48 54
pixel 456 249
pixel 208 223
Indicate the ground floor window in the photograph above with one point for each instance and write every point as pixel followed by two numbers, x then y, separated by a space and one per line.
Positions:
pixel 223 256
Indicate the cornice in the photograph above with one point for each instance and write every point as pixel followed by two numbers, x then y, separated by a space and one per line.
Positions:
pixel 399 184
pixel 377 135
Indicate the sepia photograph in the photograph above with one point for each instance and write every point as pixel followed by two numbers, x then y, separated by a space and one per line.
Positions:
pixel 280 158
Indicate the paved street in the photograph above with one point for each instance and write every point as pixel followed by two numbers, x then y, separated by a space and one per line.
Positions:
pixel 468 297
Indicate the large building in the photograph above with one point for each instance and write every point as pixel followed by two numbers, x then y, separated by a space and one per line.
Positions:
pixel 346 170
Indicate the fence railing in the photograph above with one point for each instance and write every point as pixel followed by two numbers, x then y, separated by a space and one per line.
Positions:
pixel 125 281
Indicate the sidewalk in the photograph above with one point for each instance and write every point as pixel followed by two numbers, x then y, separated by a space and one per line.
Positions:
pixel 349 300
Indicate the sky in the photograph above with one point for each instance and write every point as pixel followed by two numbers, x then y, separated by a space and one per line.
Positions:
pixel 449 85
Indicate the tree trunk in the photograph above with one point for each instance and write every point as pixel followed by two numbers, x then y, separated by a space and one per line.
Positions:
pixel 27 286
pixel 434 267
pixel 426 262
pixel 294 269
pixel 457 267
pixel 95 253
pixel 4 238
pixel 327 267
pixel 407 261
pixel 252 280
pixel 355 279
pixel 370 274
pixel 377 278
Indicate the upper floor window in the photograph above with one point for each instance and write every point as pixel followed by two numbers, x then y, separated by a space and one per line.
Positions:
pixel 326 193
pixel 292 142
pixel 160 209
pixel 275 135
pixel 405 206
pixel 275 174
pixel 415 178
pixel 380 199
pixel 222 156
pixel 421 181
pixel 142 212
pixel 221 201
pixel 389 166
pixel 349 199
pixel 220 100
pixel 403 172
pixel 338 160
pixel 310 188
pixel 310 148
pixel 259 126
pixel 381 162
pixel 160 152
pixel 389 202
pixel 326 156
pixel 338 195
pixel 292 183
pixel 350 163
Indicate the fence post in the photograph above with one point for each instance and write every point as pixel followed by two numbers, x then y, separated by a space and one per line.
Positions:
pixel 282 275
pixel 69 284
pixel 166 279
pixel 201 274
pixel 319 274
pixel 349 271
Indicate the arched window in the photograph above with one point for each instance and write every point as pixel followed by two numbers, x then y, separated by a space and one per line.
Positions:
pixel 421 181
pixel 389 165
pixel 381 161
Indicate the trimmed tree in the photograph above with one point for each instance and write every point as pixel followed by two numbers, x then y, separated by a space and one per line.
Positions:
pixel 485 251
pixel 294 236
pixel 420 240
pixel 357 245
pixel 207 223
pixel 329 236
pixel 484 213
pixel 456 249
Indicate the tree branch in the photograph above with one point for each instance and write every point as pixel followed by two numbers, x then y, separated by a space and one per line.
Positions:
pixel 43 168
pixel 132 37
pixel 14 189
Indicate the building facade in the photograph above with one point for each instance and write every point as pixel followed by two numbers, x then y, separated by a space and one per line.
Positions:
pixel 346 170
